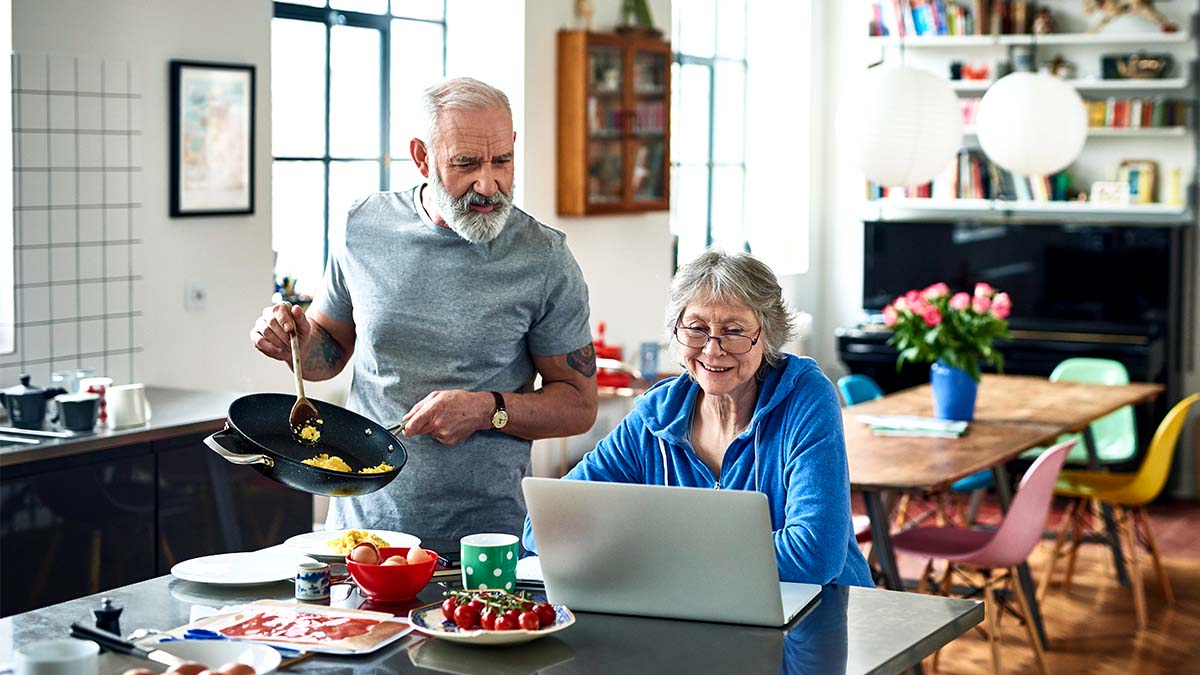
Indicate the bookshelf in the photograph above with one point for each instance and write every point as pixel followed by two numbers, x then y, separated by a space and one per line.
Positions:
pixel 613 123
pixel 1170 141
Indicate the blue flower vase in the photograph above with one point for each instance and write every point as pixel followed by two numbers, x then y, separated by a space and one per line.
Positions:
pixel 953 392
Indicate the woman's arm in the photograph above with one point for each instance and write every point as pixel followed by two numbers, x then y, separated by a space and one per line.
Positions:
pixel 811 546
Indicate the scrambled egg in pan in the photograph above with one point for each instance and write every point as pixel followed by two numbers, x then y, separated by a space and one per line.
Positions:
pixel 335 463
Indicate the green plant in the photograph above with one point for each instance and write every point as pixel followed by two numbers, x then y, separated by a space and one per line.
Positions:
pixel 959 330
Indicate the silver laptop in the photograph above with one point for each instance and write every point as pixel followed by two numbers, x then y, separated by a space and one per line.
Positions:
pixel 679 553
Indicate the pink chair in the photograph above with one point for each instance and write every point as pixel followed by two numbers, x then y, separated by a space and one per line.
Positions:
pixel 983 551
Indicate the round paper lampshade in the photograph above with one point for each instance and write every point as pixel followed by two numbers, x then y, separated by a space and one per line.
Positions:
pixel 905 127
pixel 1031 123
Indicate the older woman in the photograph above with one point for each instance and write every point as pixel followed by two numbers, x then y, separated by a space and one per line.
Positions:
pixel 745 416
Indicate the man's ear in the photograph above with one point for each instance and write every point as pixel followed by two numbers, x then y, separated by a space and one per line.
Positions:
pixel 416 148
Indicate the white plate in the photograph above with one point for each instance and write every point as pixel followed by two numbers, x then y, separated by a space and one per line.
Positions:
pixel 429 620
pixel 241 569
pixel 216 653
pixel 316 544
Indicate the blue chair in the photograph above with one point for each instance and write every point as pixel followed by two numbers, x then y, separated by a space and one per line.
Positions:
pixel 857 389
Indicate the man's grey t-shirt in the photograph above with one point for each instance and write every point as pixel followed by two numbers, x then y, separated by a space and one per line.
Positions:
pixel 431 312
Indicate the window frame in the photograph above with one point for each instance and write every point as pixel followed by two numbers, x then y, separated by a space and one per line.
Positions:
pixel 330 18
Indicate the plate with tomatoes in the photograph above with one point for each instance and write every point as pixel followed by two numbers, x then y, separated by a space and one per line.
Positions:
pixel 491 617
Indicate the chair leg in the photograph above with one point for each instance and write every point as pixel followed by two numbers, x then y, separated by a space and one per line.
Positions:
pixel 1063 527
pixel 1163 580
pixel 923 584
pixel 1125 531
pixel 902 511
pixel 1027 619
pixel 1076 540
pixel 939 513
pixel 973 506
pixel 991 611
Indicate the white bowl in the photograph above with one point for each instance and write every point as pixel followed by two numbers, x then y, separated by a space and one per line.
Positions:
pixel 216 653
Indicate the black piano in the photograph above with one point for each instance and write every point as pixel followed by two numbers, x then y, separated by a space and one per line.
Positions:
pixel 1104 291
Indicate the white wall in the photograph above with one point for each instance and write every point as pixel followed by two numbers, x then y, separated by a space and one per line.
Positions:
pixel 231 255
pixel 625 259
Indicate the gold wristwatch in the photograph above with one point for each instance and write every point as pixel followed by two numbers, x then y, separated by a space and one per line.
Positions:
pixel 499 415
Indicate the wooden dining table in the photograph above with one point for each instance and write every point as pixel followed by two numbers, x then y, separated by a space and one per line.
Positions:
pixel 1013 413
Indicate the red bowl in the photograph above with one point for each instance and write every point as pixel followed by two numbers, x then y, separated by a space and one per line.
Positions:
pixel 391 583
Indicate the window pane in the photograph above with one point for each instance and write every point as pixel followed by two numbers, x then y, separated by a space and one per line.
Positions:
pixel 727 229
pixel 297 88
pixel 729 110
pixel 354 92
pixel 298 222
pixel 367 6
pixel 689 209
pixel 349 182
pixel 419 9
pixel 416 64
pixel 694 32
pixel 731 28
pixel 405 175
pixel 689 135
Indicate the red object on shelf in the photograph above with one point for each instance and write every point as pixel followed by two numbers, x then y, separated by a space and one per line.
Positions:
pixel 606 377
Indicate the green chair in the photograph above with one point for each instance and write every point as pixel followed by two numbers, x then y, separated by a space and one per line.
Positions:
pixel 1115 434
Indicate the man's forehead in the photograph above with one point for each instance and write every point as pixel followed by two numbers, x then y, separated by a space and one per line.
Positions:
pixel 478 129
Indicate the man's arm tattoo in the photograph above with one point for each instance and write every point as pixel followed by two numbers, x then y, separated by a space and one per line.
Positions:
pixel 323 351
pixel 583 360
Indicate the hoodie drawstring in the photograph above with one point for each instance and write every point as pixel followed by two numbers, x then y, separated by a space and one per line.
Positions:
pixel 662 450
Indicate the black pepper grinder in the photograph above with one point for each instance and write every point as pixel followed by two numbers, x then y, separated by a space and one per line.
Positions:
pixel 108 616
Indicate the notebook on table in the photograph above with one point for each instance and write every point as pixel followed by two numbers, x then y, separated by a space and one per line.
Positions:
pixel 672 552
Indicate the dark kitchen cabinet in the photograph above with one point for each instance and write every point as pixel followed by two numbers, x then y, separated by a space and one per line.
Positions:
pixel 77 525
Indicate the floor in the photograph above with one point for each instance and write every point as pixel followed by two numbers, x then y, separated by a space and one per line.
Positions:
pixel 1092 628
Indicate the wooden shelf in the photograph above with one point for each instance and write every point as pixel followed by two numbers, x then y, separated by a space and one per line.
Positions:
pixel 915 209
pixel 954 41
pixel 1123 132
pixel 1134 85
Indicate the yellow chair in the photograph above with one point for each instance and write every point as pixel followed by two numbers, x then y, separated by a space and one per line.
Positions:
pixel 1128 495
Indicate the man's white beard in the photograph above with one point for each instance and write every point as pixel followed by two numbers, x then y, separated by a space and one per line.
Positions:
pixel 472 225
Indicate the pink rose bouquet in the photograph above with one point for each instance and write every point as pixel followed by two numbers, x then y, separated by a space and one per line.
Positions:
pixel 955 328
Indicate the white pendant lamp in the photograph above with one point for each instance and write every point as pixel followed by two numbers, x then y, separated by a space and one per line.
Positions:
pixel 905 127
pixel 1032 124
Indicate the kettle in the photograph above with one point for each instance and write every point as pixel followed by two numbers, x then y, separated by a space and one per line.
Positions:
pixel 26 404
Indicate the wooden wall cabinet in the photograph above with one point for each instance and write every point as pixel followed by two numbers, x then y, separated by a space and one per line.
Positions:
pixel 614 123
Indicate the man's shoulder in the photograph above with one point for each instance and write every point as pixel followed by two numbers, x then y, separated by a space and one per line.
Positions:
pixel 383 203
pixel 531 230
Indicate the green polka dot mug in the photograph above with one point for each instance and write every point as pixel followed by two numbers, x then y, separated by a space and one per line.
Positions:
pixel 489 561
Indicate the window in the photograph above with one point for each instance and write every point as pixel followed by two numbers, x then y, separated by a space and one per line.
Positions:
pixel 343 111
pixel 743 138
pixel 708 143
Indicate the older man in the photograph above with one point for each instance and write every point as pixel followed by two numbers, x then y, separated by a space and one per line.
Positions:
pixel 453 300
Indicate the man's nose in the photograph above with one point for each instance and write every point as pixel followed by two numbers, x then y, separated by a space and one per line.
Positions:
pixel 485 180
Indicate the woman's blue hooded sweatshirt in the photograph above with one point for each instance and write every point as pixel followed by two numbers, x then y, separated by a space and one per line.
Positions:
pixel 793 451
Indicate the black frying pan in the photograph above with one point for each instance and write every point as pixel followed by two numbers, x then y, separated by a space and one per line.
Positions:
pixel 257 433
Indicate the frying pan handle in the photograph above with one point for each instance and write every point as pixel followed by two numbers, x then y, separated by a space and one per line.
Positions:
pixel 214 443
pixel 396 430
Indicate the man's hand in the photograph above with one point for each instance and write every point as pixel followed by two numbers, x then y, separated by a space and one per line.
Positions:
pixel 271 334
pixel 449 417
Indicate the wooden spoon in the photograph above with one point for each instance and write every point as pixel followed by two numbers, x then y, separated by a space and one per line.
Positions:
pixel 304 420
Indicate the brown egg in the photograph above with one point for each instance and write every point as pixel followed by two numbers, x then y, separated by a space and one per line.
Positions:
pixel 236 669
pixel 395 560
pixel 139 671
pixel 189 668
pixel 365 553
pixel 417 555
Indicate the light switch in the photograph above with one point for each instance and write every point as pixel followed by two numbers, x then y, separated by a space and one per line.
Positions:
pixel 196 296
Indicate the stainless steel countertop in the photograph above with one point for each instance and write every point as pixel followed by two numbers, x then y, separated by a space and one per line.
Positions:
pixel 850 630
pixel 175 412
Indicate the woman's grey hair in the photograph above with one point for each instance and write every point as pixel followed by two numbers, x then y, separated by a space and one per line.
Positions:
pixel 735 278
pixel 457 93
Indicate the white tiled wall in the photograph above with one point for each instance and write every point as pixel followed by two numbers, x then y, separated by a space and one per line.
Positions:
pixel 77 157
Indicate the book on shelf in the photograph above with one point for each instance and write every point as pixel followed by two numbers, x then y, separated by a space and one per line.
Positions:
pixel 902 18
pixel 970 175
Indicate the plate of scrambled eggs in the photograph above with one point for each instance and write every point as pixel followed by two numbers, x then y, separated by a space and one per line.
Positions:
pixel 337 543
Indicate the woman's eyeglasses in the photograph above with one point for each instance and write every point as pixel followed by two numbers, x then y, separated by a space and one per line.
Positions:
pixel 731 343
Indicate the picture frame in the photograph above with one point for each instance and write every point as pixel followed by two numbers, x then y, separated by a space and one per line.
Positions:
pixel 212 138
pixel 1141 175
pixel 1112 193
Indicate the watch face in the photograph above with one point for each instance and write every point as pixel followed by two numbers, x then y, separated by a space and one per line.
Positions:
pixel 499 419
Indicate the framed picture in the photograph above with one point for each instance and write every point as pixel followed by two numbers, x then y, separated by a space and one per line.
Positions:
pixel 1141 175
pixel 1110 193
pixel 212 139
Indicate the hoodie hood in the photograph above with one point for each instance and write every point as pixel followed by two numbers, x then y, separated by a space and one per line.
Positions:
pixel 666 408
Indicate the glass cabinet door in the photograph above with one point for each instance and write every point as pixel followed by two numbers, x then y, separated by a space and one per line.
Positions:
pixel 606 125
pixel 647 127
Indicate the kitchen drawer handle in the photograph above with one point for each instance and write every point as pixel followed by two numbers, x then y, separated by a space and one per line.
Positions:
pixel 214 443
